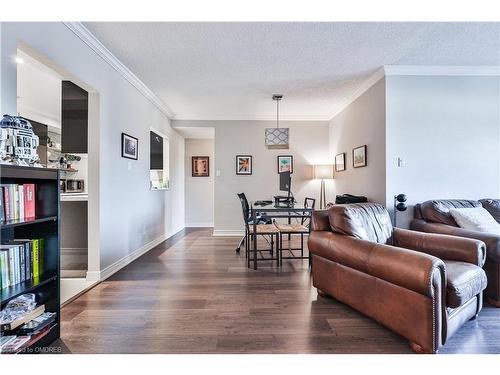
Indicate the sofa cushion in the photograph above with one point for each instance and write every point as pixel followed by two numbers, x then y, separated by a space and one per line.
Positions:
pixel 438 211
pixel 493 207
pixel 464 281
pixel 475 218
pixel 366 221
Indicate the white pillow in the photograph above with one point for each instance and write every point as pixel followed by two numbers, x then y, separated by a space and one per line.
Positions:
pixel 475 218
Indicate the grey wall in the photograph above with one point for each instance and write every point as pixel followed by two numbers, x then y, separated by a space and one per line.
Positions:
pixel 448 131
pixel 130 215
pixel 199 191
pixel 362 123
pixel 309 144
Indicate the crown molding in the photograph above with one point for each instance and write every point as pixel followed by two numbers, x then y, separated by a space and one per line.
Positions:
pixel 441 70
pixel 240 117
pixel 362 88
pixel 90 40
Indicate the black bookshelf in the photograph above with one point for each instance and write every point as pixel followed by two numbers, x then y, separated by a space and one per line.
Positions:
pixel 46 225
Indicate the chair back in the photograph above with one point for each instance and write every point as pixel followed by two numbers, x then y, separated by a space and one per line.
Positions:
pixel 438 210
pixel 366 221
pixel 244 207
pixel 308 203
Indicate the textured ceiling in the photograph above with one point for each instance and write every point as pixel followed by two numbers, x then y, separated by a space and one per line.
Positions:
pixel 230 70
pixel 196 132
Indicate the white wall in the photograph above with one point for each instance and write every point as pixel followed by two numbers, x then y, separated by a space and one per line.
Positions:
pixel 309 144
pixel 130 215
pixel 199 190
pixel 447 128
pixel 39 94
pixel 362 123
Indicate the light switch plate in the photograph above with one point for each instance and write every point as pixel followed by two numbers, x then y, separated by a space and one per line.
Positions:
pixel 129 165
pixel 217 172
pixel 401 163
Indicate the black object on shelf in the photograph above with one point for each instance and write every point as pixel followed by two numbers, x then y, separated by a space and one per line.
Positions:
pixel 45 225
pixel 349 198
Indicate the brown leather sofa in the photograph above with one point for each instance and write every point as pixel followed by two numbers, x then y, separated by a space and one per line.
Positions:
pixel 493 207
pixel 433 216
pixel 422 286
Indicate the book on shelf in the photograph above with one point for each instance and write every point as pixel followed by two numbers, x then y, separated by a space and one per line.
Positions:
pixel 18 201
pixel 14 344
pixel 21 260
pixel 10 326
pixel 37 324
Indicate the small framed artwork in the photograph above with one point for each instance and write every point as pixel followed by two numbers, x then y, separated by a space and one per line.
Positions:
pixel 340 162
pixel 130 147
pixel 244 164
pixel 285 163
pixel 359 157
pixel 200 166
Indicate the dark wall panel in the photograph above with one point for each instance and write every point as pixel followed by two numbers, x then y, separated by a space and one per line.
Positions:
pixel 75 106
pixel 156 151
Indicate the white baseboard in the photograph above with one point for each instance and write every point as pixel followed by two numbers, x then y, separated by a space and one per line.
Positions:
pixel 228 233
pixel 74 249
pixel 93 276
pixel 119 264
pixel 199 225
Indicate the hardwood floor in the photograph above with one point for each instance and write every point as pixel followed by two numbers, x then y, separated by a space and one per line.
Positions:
pixel 194 294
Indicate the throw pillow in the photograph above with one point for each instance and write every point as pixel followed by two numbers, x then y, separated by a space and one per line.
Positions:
pixel 476 218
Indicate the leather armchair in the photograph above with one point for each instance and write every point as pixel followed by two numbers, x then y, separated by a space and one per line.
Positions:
pixel 422 286
pixel 434 217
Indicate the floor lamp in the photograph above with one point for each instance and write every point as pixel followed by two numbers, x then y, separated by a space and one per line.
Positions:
pixel 323 172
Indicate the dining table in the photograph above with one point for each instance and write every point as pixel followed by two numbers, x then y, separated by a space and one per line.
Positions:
pixel 286 211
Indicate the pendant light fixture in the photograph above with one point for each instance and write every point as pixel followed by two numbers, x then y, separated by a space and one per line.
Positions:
pixel 277 138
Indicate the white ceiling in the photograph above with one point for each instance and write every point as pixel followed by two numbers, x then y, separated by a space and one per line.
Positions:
pixel 209 71
pixel 196 132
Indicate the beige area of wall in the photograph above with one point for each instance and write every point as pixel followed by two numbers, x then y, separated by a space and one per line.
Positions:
pixel 199 191
pixel 309 144
pixel 362 123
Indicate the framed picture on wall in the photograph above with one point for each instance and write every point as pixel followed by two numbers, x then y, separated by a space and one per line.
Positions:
pixel 130 147
pixel 340 162
pixel 285 163
pixel 200 166
pixel 244 164
pixel 359 157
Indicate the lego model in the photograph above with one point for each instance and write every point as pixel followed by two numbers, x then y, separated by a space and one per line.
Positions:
pixel 18 142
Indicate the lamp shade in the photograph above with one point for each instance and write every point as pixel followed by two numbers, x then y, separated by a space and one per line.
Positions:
pixel 323 171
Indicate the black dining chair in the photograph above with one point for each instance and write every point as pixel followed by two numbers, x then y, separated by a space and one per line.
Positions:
pixel 262 229
pixel 300 228
pixel 261 218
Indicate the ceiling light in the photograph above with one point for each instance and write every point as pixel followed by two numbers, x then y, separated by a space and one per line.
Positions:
pixel 19 60
pixel 277 138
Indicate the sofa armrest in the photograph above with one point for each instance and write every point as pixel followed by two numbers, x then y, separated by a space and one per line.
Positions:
pixel 442 246
pixel 492 241
pixel 406 268
pixel 320 220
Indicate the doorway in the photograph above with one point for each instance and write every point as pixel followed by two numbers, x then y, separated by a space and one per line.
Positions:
pixel 199 143
pixel 63 111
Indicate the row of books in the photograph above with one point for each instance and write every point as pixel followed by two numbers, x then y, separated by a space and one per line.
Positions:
pixel 21 260
pixel 18 202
